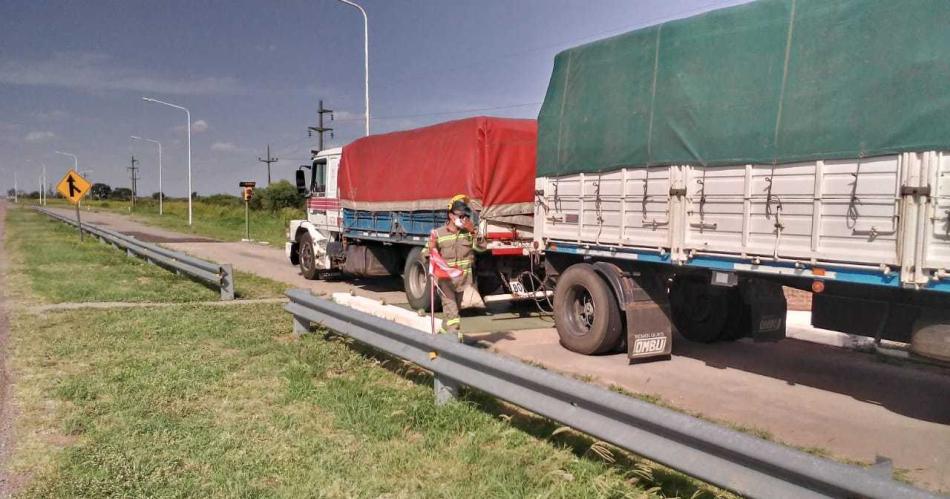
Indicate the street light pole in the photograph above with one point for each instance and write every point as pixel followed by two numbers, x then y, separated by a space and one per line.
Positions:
pixel 75 159
pixel 365 57
pixel 161 192
pixel 188 117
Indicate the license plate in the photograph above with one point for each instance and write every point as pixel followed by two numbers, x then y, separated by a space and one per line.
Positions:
pixel 516 287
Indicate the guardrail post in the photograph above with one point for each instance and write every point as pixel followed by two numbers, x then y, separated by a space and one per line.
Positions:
pixel 227 281
pixel 301 326
pixel 446 389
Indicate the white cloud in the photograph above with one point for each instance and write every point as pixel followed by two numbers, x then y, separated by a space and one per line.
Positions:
pixel 39 136
pixel 54 115
pixel 225 147
pixel 97 72
pixel 197 126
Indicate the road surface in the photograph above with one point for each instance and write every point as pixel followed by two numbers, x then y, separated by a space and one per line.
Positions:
pixel 852 405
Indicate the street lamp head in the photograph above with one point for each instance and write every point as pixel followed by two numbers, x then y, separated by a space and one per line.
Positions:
pixel 133 137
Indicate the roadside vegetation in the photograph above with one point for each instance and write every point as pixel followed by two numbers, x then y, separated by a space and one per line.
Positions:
pixel 202 400
pixel 219 216
pixel 62 269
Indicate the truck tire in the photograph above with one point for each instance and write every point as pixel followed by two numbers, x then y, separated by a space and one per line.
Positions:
pixel 737 321
pixel 700 310
pixel 586 313
pixel 308 261
pixel 417 283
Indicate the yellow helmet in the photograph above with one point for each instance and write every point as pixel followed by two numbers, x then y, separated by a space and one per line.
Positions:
pixel 460 203
pixel 458 197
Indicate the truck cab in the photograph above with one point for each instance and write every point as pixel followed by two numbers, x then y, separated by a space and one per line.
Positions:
pixel 309 241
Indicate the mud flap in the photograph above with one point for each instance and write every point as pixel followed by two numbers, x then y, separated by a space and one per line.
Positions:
pixel 764 310
pixel 647 309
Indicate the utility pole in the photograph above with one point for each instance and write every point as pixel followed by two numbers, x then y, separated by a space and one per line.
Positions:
pixel 16 190
pixel 45 184
pixel 133 170
pixel 269 160
pixel 320 129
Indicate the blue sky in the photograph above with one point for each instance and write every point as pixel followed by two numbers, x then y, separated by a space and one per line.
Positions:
pixel 72 75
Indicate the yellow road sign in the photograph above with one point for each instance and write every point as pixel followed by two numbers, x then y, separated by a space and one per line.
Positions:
pixel 73 187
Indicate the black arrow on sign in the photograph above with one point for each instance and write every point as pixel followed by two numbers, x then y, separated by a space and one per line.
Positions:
pixel 73 190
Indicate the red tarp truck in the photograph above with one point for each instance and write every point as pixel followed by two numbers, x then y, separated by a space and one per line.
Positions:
pixel 373 203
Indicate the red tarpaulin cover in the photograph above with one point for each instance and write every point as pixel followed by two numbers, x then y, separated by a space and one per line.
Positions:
pixel 489 159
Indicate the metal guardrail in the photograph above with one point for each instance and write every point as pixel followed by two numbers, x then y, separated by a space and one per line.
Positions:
pixel 721 456
pixel 216 274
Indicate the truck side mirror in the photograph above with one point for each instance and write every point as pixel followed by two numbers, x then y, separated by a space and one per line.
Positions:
pixel 301 182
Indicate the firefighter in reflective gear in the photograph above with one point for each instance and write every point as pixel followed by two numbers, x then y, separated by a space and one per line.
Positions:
pixel 457 241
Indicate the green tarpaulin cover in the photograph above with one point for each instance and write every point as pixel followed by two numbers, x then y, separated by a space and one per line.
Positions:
pixel 773 81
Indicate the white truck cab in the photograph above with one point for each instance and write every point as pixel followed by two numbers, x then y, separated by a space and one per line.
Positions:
pixel 310 238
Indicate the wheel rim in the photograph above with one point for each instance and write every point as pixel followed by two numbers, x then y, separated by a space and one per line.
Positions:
pixel 417 279
pixel 701 305
pixel 306 257
pixel 583 310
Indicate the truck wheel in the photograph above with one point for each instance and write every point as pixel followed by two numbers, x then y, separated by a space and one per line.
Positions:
pixel 700 310
pixel 308 262
pixel 737 322
pixel 586 313
pixel 417 283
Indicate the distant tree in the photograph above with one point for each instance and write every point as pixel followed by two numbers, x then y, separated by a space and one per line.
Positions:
pixel 279 195
pixel 34 195
pixel 11 193
pixel 100 191
pixel 121 193
pixel 222 200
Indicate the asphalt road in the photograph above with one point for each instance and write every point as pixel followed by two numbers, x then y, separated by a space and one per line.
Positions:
pixel 852 405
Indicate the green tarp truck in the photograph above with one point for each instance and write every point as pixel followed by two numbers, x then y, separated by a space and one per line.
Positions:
pixel 690 169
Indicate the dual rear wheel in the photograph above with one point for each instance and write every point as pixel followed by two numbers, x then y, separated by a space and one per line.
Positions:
pixel 589 320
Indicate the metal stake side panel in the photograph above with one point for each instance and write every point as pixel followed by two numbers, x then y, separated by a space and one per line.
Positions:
pixel 883 214
pixel 626 207
pixel 850 214
pixel 937 239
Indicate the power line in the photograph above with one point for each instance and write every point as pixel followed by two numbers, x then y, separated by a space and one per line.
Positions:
pixel 443 113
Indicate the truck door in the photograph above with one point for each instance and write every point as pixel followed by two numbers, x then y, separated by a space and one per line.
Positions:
pixel 332 191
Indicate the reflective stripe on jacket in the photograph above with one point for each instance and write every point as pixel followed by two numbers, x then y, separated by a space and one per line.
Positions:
pixel 458 248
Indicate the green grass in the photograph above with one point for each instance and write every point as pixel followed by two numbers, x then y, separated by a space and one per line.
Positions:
pixel 211 220
pixel 62 269
pixel 212 401
pixel 199 400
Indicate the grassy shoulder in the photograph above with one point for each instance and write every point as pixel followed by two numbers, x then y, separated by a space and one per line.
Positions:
pixel 200 400
pixel 214 401
pixel 208 219
pixel 60 268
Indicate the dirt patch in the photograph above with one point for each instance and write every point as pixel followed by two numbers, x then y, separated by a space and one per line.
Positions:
pixel 154 238
pixel 9 481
